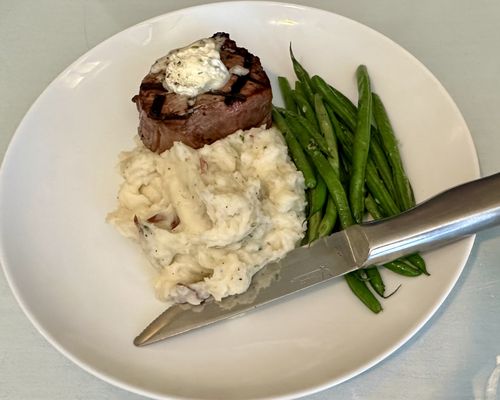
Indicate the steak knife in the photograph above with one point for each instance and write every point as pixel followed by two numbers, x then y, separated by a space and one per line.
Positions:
pixel 449 216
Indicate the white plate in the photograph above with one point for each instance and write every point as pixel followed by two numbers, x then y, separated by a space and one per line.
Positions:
pixel 85 287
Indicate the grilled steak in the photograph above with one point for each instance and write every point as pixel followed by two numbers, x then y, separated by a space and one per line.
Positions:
pixel 244 102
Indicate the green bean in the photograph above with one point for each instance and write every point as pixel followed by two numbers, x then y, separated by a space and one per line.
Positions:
pixel 417 260
pixel 313 132
pixel 286 93
pixel 390 145
pixel 302 134
pixel 376 152
pixel 346 101
pixel 372 207
pixel 345 168
pixel 332 163
pixel 402 268
pixel 329 218
pixel 361 290
pixel 347 114
pixel 318 196
pixel 305 109
pixel 379 191
pixel 361 144
pixel 302 76
pixel 342 134
pixel 348 111
pixel 333 119
pixel 375 280
pixel 373 181
pixel 327 130
pixel 298 156
pixel 299 88
pixel 344 165
pixel 380 160
pixel 313 227
pixel 334 187
pixel 332 181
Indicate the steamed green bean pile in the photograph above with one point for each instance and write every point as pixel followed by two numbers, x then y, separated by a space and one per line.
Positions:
pixel 352 167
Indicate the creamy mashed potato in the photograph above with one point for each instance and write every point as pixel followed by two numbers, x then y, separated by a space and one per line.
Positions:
pixel 209 219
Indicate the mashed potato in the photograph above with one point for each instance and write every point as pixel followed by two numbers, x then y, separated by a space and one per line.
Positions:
pixel 209 219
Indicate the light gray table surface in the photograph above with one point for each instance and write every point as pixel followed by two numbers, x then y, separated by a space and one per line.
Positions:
pixel 455 353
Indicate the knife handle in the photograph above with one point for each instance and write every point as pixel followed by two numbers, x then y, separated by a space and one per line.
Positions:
pixel 449 216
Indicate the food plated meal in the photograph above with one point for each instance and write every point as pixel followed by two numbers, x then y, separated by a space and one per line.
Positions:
pixel 104 277
pixel 210 192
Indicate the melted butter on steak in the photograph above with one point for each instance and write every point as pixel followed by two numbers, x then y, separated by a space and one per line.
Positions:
pixel 243 102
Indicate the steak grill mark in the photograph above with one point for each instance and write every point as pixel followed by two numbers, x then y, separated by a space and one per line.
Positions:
pixel 157 105
pixel 240 82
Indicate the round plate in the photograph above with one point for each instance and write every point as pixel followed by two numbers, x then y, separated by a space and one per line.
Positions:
pixel 87 289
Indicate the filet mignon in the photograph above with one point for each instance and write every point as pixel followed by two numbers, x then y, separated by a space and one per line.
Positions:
pixel 244 102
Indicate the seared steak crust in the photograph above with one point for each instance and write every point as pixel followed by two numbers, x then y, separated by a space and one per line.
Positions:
pixel 244 102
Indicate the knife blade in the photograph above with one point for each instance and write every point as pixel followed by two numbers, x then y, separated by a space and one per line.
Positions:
pixel 449 216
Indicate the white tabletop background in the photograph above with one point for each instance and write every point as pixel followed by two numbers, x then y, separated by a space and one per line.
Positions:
pixel 454 355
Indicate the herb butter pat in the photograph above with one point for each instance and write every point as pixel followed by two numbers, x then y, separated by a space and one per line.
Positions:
pixel 209 219
pixel 194 69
